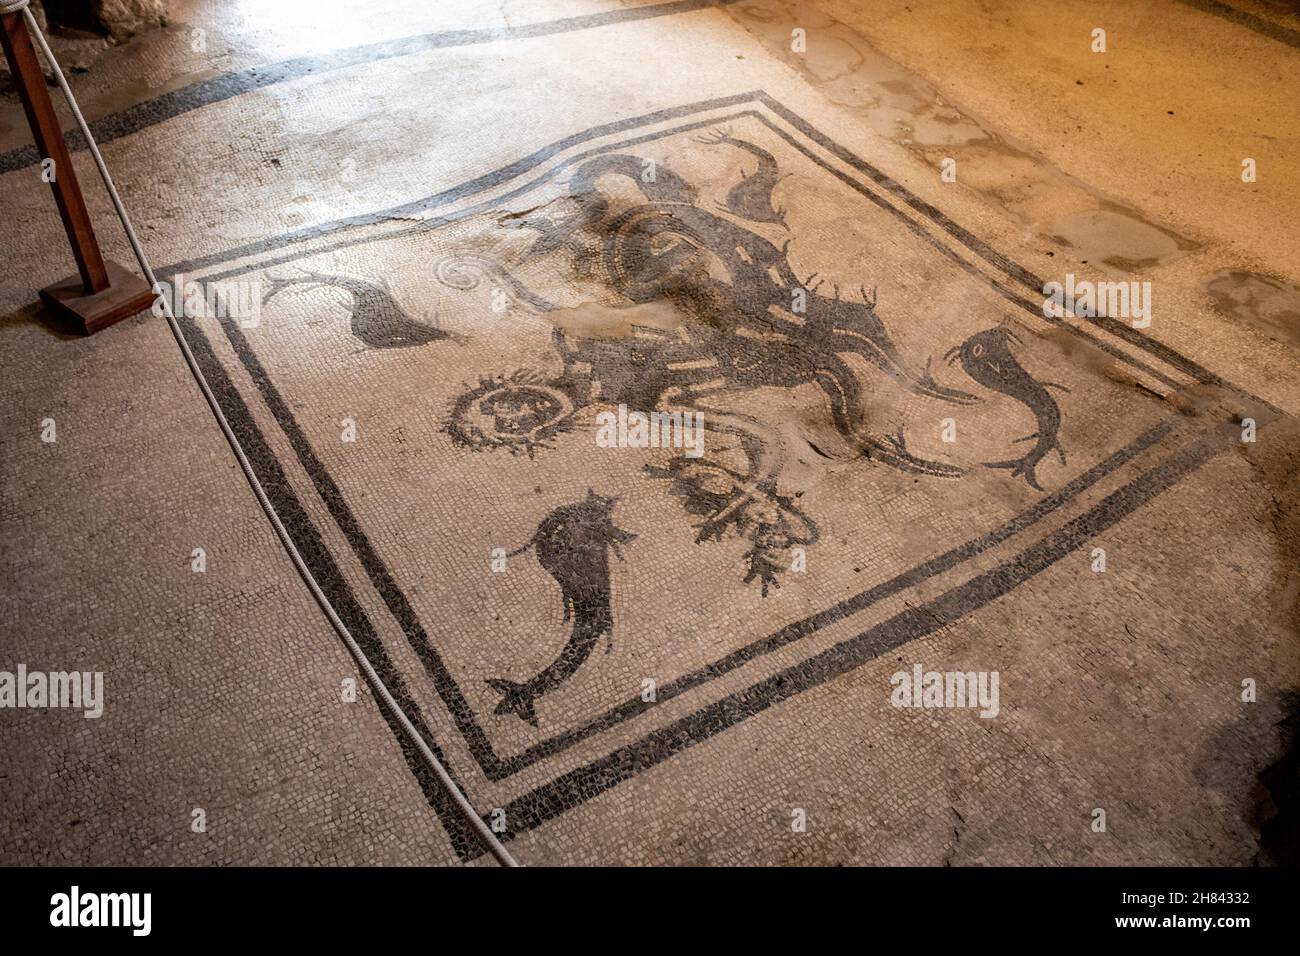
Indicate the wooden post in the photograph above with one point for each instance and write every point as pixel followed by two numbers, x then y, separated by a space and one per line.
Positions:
pixel 102 292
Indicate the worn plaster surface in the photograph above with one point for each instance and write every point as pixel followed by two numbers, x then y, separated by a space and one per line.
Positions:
pixel 468 245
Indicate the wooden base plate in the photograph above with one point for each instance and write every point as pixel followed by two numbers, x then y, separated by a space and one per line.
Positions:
pixel 126 295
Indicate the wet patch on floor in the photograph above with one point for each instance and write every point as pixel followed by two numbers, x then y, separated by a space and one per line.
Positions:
pixel 905 109
pixel 1118 239
pixel 1263 303
pixel 893 102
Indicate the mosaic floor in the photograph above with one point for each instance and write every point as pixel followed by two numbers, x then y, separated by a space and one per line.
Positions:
pixel 880 454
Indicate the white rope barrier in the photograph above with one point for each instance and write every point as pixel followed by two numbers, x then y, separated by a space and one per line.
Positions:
pixel 462 803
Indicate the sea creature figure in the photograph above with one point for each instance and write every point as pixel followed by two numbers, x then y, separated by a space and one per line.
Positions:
pixel 986 357
pixel 572 544
pixel 376 317
pixel 751 198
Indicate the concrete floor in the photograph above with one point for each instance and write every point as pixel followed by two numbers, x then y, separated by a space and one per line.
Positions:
pixel 449 256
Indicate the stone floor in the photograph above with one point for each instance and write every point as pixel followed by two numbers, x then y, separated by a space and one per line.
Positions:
pixel 461 239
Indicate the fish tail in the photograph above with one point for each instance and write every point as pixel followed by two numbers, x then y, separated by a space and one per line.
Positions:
pixel 1020 468
pixel 517 699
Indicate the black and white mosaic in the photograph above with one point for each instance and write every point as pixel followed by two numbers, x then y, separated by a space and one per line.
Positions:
pixel 723 258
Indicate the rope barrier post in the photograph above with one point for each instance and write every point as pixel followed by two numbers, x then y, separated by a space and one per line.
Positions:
pixel 102 292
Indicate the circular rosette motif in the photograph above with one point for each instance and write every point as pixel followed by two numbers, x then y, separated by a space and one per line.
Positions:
pixel 520 412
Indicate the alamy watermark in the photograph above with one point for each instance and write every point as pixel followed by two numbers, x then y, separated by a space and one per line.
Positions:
pixel 1087 299
pixel 71 690
pixel 624 429
pixel 951 689
pixel 238 299
pixel 75 909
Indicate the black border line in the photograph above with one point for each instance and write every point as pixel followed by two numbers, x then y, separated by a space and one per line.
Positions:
pixel 464 839
pixel 381 578
pixel 376 569
pixel 218 89
pixel 975 244
pixel 846 608
pixel 1117 328
pixel 549 800
pixel 1273 31
pixel 160 109
pixel 578 786
pixel 481 748
pixel 452 194
pixel 1032 282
